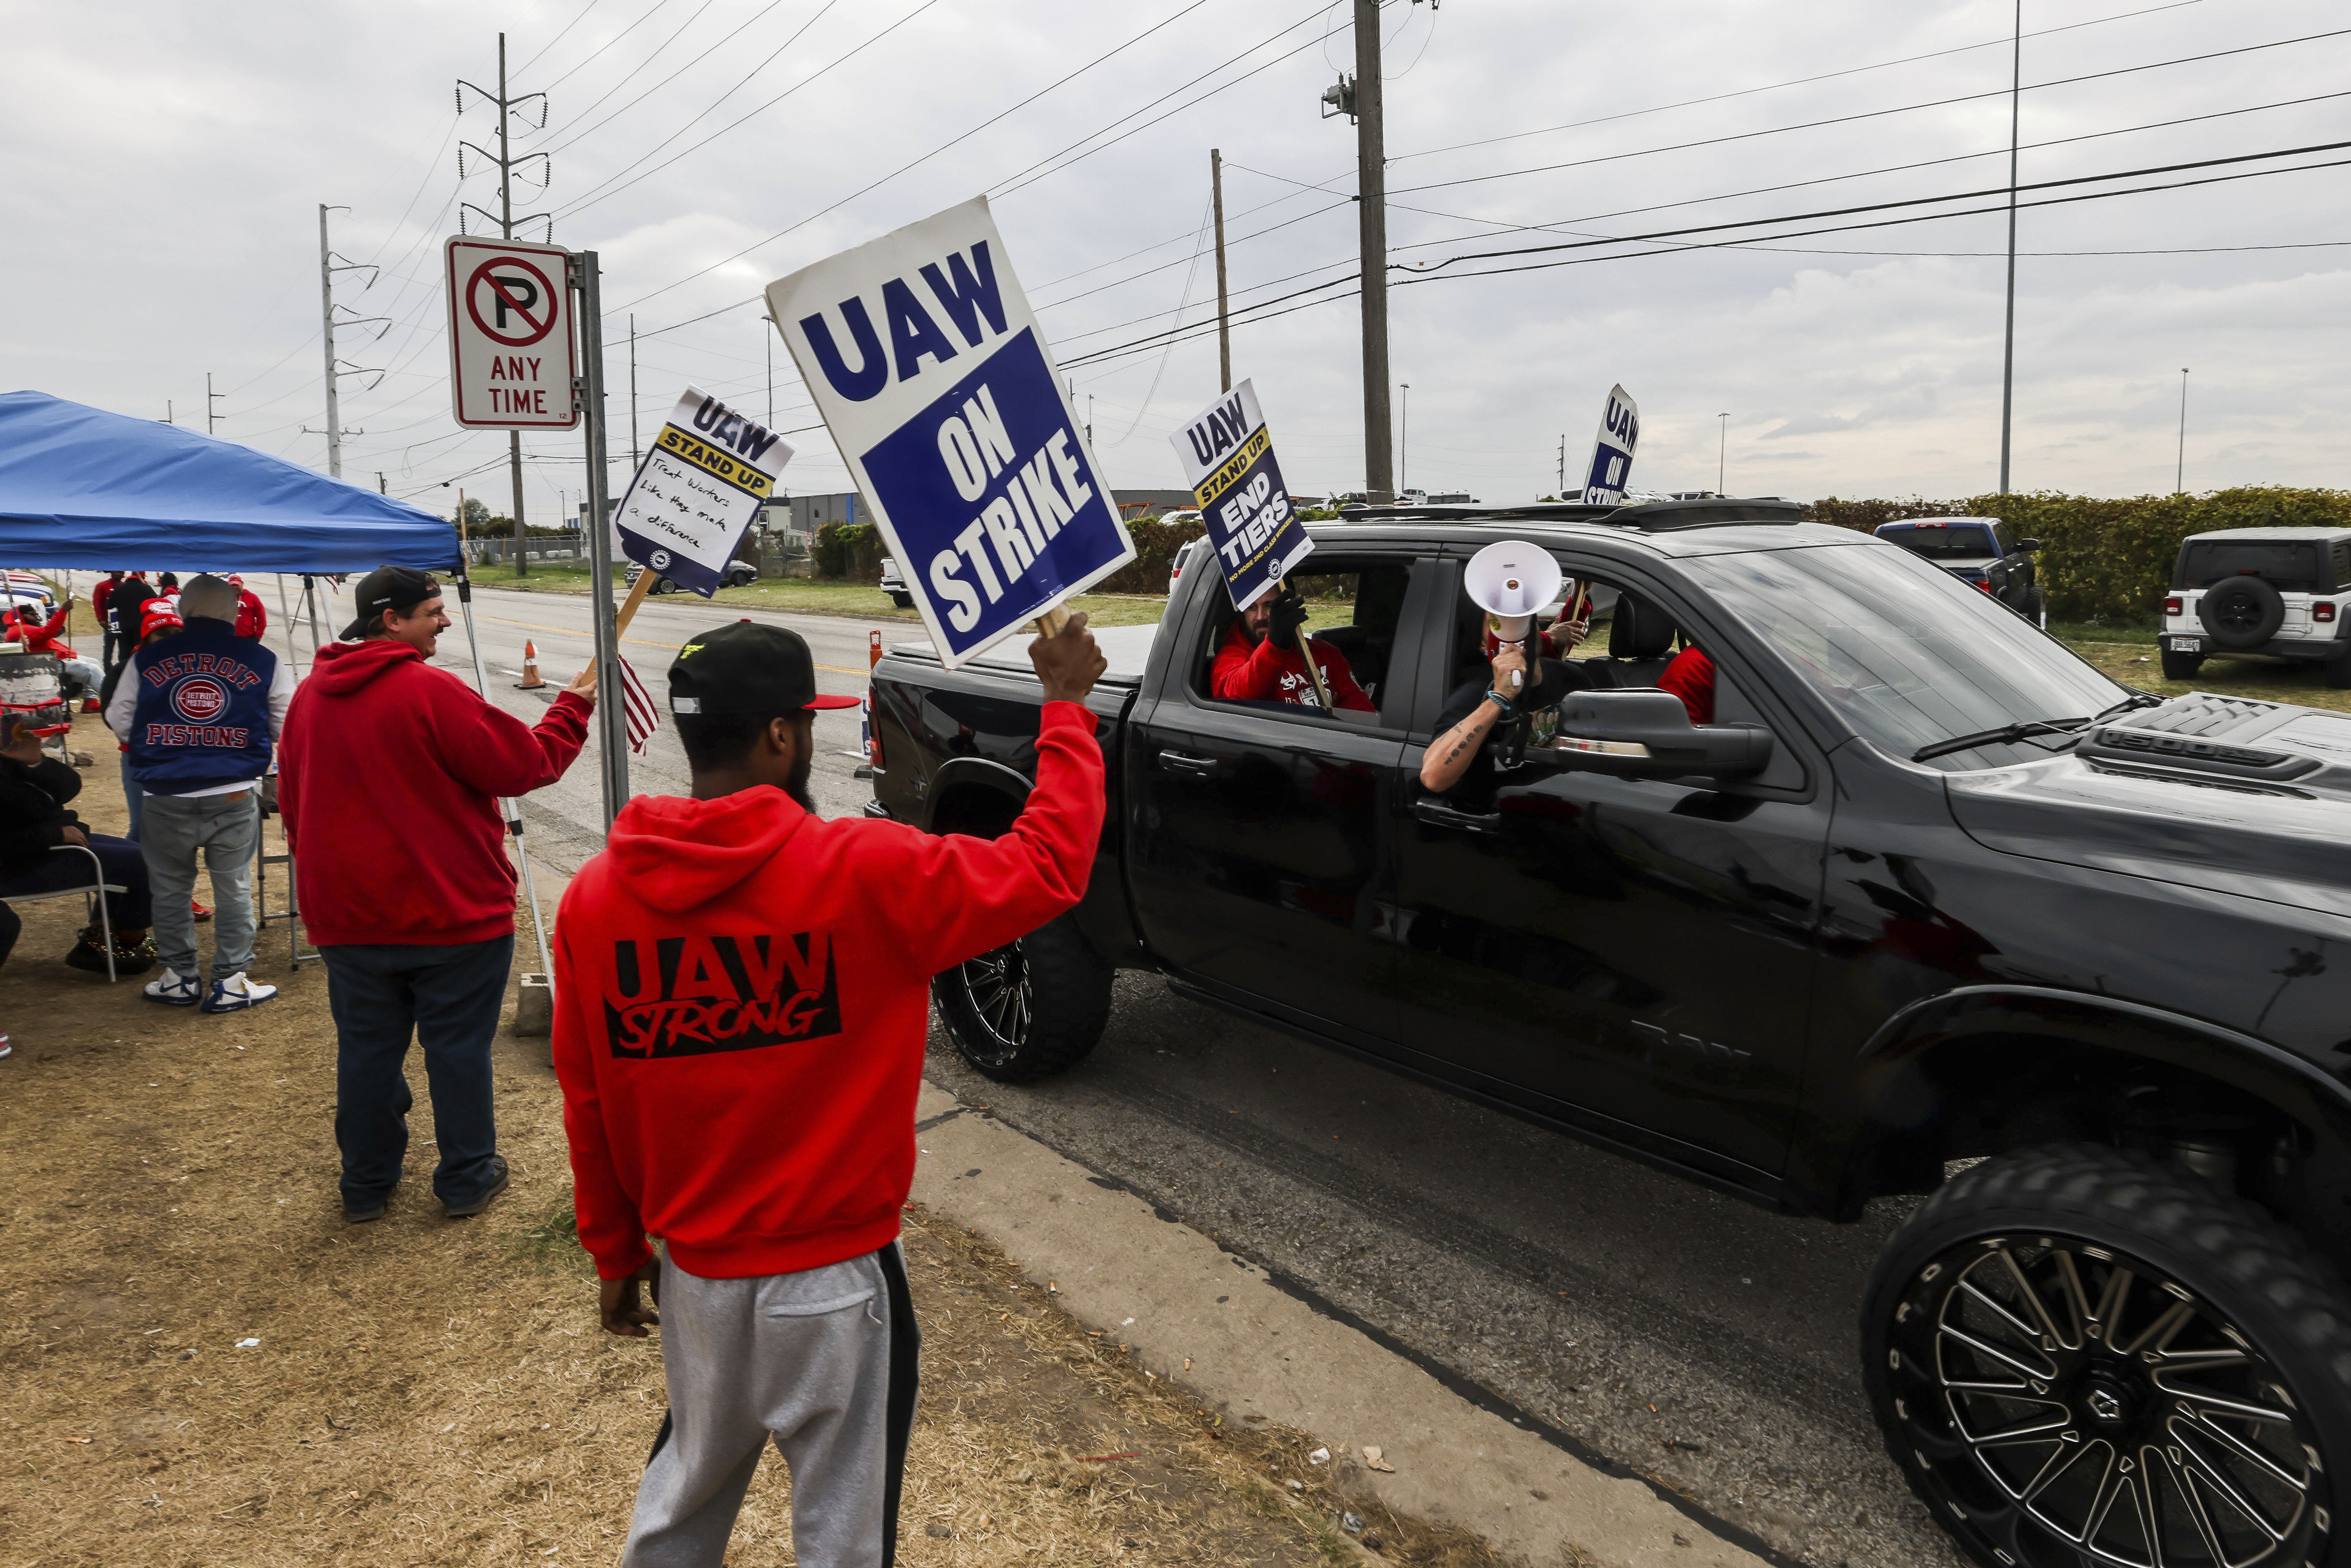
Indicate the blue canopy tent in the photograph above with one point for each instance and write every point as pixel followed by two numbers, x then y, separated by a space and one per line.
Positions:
pixel 83 488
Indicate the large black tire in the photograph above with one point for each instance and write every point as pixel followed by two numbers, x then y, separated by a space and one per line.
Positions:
pixel 2054 1343
pixel 2036 606
pixel 902 601
pixel 2181 666
pixel 2338 671
pixel 2241 612
pixel 1028 1009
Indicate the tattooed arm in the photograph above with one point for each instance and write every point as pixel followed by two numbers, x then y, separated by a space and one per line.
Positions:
pixel 1449 755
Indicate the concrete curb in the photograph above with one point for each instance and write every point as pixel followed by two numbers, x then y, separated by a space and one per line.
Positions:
pixel 1249 1347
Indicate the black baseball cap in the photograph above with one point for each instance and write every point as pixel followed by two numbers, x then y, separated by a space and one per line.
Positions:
pixel 401 588
pixel 745 667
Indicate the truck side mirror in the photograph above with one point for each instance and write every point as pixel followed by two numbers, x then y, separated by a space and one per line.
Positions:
pixel 1648 734
pixel 2028 545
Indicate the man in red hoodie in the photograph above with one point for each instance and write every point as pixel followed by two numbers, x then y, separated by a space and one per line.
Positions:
pixel 388 775
pixel 741 996
pixel 1260 661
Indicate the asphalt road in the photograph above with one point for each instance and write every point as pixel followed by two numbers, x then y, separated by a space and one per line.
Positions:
pixel 1703 1341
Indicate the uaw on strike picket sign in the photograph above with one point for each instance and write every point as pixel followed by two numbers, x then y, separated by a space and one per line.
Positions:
pixel 1612 451
pixel 697 490
pixel 1228 457
pixel 934 379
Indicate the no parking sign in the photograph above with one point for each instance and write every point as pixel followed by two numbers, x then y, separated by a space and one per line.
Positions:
pixel 511 362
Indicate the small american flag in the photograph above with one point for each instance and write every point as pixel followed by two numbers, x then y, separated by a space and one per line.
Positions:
pixel 643 713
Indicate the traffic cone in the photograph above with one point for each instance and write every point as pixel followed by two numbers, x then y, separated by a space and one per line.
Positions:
pixel 531 675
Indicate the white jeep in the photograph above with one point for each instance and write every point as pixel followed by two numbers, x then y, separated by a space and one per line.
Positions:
pixel 2266 593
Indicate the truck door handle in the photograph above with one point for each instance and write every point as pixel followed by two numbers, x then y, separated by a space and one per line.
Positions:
pixel 1443 816
pixel 1197 766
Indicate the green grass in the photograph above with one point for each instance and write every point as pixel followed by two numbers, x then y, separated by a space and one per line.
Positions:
pixel 805 596
pixel 551 1239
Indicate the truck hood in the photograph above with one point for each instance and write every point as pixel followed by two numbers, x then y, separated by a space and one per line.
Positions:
pixel 2249 798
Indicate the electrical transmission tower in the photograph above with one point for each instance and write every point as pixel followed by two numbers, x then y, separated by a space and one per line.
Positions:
pixel 506 163
pixel 329 264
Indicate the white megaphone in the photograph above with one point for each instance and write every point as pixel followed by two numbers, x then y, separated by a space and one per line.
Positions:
pixel 1511 579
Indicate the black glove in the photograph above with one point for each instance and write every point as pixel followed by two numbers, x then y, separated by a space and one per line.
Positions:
pixel 1288 615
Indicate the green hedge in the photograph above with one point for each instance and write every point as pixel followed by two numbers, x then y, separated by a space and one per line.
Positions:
pixel 2110 558
pixel 854 550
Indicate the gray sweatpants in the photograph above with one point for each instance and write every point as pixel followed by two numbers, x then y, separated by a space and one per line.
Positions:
pixel 824 1362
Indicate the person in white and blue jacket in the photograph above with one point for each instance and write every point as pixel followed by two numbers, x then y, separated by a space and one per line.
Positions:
pixel 199 710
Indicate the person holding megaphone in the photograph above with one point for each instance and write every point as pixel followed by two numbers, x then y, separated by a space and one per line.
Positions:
pixel 1510 580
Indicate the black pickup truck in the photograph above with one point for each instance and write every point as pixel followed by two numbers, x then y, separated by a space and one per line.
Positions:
pixel 1932 906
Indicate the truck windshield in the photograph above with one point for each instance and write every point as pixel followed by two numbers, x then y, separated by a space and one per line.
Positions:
pixel 1938 542
pixel 1905 652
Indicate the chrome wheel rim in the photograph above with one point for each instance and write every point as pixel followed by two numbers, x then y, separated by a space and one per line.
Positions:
pixel 1001 1003
pixel 2112 1408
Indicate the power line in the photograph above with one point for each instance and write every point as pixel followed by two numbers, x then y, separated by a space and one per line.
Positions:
pixel 697 59
pixel 592 54
pixel 562 34
pixel 1796 82
pixel 1041 92
pixel 1258 311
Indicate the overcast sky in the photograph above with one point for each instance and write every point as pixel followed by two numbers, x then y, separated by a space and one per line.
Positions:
pixel 166 163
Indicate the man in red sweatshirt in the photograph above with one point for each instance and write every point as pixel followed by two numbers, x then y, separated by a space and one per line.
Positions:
pixel 741 996
pixel 388 775
pixel 1259 660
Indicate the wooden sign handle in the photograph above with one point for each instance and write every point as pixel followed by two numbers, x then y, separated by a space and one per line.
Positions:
pixel 1306 657
pixel 637 591
pixel 1049 624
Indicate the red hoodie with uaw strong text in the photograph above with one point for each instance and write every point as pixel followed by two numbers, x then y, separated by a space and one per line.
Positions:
pixel 389 775
pixel 741 996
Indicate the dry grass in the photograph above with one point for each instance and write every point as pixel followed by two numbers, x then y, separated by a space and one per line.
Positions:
pixel 430 1391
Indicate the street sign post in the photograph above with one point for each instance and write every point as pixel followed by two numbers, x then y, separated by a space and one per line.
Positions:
pixel 957 432
pixel 511 360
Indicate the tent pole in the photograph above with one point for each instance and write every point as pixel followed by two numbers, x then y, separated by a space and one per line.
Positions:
pixel 512 810
pixel 288 625
pixel 310 601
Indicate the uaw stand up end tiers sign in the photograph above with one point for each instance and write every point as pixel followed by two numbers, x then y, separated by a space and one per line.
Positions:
pixel 935 380
pixel 1227 458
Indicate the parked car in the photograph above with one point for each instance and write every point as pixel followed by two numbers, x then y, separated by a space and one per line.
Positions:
pixel 1932 906
pixel 895 585
pixel 737 573
pixel 2260 594
pixel 1981 551
pixel 1184 558
pixel 21 588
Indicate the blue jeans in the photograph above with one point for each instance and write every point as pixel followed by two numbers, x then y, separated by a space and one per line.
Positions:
pixel 175 828
pixel 135 796
pixel 450 998
pixel 125 867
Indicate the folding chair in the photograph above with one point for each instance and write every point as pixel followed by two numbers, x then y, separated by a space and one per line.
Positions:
pixel 95 893
pixel 291 915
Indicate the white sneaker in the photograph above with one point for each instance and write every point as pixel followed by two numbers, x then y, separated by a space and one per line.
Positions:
pixel 234 994
pixel 175 990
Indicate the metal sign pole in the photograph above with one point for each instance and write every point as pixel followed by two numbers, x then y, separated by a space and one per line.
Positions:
pixel 612 712
pixel 511 810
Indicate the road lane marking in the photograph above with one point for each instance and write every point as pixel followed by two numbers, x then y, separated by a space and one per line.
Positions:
pixel 639 642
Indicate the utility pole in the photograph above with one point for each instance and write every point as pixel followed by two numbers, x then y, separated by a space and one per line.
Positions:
pixel 1561 492
pixel 1404 443
pixel 381 488
pixel 635 460
pixel 211 420
pixel 2008 344
pixel 1359 97
pixel 767 337
pixel 1224 324
pixel 327 267
pixel 169 416
pixel 2179 474
pixel 1721 449
pixel 505 220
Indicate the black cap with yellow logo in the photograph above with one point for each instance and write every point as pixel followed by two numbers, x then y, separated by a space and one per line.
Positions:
pixel 745 668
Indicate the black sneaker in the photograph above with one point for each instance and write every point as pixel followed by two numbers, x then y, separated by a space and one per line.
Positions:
pixel 368 1208
pixel 500 1179
pixel 130 957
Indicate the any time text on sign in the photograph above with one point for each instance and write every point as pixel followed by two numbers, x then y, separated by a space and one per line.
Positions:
pixel 510 355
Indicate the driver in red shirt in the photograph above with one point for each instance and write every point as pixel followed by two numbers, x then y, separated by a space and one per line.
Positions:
pixel 1259 660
